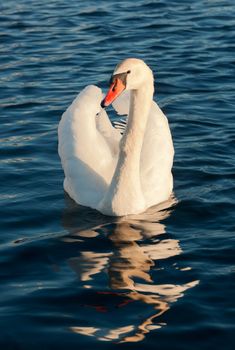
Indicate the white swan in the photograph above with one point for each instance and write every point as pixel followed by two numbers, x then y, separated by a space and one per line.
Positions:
pixel 117 175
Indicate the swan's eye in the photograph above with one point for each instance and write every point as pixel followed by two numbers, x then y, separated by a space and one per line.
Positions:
pixel 128 72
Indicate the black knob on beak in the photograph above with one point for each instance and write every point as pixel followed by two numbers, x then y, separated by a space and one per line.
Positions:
pixel 102 104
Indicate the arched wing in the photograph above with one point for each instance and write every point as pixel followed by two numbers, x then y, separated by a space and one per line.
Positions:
pixel 86 157
pixel 156 157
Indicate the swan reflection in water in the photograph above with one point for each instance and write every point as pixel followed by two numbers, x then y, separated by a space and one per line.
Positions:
pixel 132 301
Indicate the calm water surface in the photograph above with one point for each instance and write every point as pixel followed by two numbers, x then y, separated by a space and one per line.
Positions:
pixel 71 277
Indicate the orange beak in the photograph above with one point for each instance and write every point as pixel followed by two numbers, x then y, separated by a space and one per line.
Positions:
pixel 115 89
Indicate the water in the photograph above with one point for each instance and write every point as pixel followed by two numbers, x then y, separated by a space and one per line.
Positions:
pixel 71 277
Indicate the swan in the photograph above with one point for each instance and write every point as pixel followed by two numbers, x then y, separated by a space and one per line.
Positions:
pixel 117 172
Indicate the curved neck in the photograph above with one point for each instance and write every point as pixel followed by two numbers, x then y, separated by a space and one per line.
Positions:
pixel 125 189
pixel 132 141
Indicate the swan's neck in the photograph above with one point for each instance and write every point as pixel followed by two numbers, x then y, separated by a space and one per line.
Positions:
pixel 132 141
pixel 125 192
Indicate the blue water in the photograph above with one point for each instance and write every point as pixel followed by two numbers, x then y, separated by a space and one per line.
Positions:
pixel 70 277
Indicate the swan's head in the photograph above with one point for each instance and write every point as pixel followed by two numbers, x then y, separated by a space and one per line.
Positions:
pixel 130 74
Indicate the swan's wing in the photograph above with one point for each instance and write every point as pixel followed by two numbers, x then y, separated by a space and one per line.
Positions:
pixel 85 155
pixel 156 157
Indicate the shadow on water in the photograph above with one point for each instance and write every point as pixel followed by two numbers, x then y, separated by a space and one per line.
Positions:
pixel 118 268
